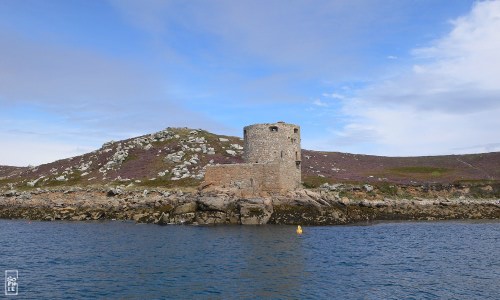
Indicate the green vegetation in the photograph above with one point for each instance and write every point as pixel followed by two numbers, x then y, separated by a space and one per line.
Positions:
pixel 420 170
pixel 166 183
pixel 387 189
pixel 130 157
pixel 311 182
pixel 74 180
pixel 476 182
pixel 6 181
pixel 255 212
pixel 485 190
pixel 165 208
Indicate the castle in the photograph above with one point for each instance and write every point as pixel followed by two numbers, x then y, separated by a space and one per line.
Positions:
pixel 272 161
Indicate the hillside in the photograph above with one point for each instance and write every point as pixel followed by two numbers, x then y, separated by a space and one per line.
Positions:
pixel 345 167
pixel 177 157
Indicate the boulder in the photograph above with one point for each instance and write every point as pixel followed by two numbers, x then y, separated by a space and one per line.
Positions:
pixel 114 192
pixel 184 219
pixel 231 152
pixel 97 215
pixel 213 203
pixel 164 218
pixel 61 178
pixel 312 194
pixel 79 217
pixel 140 217
pixel 211 217
pixel 332 187
pixel 255 212
pixel 33 183
pixel 25 196
pixel 236 146
pixel 11 193
pixel 345 201
pixel 368 188
pixel 189 207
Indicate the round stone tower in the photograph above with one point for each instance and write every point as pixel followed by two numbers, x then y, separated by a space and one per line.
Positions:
pixel 275 143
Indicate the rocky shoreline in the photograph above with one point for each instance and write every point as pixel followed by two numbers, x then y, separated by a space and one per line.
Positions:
pixel 306 207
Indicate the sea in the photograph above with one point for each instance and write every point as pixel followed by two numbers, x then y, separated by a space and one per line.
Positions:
pixel 124 260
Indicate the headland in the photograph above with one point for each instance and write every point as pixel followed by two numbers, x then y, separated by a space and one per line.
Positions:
pixel 191 176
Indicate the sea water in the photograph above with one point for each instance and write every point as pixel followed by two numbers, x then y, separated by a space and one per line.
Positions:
pixel 114 259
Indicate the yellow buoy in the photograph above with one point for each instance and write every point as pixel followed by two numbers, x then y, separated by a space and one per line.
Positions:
pixel 299 230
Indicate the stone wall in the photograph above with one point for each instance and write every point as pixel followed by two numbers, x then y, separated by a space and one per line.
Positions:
pixel 249 178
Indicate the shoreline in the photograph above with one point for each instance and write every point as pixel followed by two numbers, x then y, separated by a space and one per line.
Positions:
pixel 304 207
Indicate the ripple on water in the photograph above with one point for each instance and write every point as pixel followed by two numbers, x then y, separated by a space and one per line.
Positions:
pixel 123 260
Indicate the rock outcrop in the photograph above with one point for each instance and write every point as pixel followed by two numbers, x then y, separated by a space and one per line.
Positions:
pixel 307 207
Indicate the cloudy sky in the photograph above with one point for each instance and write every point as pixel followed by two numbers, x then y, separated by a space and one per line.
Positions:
pixel 383 77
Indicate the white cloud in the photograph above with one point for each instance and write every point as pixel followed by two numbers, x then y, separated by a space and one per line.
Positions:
pixel 35 72
pixel 334 96
pixel 448 102
pixel 31 150
pixel 320 103
pixel 81 91
pixel 310 41
pixel 88 87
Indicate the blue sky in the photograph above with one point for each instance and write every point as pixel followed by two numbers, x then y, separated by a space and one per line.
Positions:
pixel 386 77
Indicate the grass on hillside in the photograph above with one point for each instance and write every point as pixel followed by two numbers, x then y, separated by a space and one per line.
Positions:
pixel 75 179
pixel 165 183
pixel 421 171
pixel 311 182
pixel 477 182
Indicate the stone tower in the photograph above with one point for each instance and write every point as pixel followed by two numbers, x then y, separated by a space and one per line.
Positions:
pixel 277 143
pixel 272 162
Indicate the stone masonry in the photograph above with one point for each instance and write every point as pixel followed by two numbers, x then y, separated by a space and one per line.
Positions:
pixel 272 161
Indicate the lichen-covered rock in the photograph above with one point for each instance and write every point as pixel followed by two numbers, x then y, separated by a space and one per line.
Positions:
pixel 368 188
pixel 11 193
pixel 113 192
pixel 140 217
pixel 212 217
pixel 231 152
pixel 185 218
pixel 34 182
pixel 223 206
pixel 208 203
pixel 189 207
pixel 97 215
pixel 175 157
pixel 61 178
pixel 255 211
